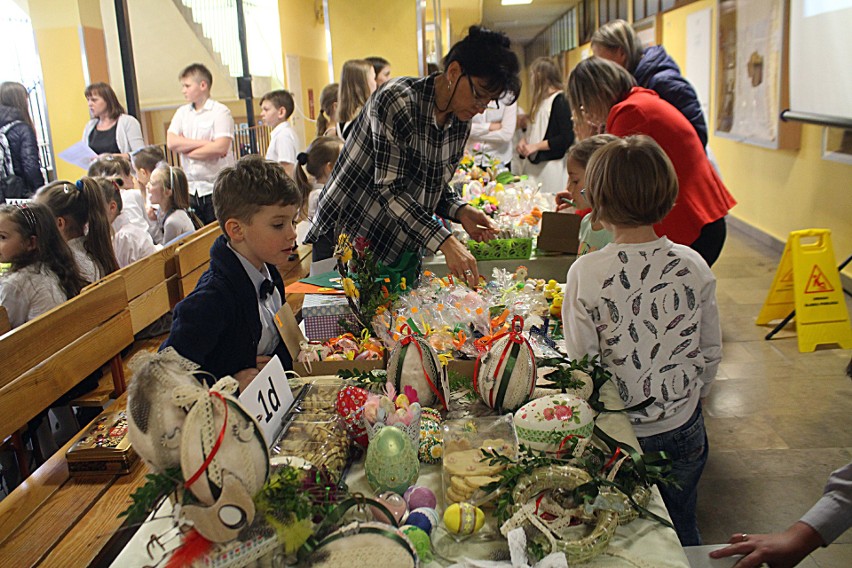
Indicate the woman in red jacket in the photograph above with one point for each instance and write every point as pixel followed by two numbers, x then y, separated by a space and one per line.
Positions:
pixel 603 95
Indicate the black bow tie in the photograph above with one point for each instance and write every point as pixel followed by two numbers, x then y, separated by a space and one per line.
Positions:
pixel 266 289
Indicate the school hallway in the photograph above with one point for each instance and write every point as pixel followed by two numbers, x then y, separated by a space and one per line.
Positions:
pixel 779 421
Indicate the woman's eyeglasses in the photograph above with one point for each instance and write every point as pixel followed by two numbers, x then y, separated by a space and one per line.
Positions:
pixel 481 102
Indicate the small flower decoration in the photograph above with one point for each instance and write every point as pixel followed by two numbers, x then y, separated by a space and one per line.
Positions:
pixel 343 251
pixel 349 287
pixel 563 412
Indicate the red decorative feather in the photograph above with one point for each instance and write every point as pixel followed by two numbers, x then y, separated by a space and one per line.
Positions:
pixel 194 547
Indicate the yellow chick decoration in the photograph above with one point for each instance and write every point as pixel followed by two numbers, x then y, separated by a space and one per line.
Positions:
pixel 551 289
pixel 556 306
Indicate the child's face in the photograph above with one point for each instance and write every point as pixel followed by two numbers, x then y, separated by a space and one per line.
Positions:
pixel 576 181
pixel 270 236
pixel 383 76
pixel 272 115
pixel 158 193
pixel 143 176
pixel 194 91
pixel 13 244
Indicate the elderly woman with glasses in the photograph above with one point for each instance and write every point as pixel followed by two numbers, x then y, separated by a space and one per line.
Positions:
pixel 604 97
pixel 393 174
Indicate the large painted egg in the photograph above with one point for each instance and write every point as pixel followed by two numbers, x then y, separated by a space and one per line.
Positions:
pixel 391 463
pixel 431 447
pixel 415 362
pixel 350 406
pixel 505 375
pixel 544 423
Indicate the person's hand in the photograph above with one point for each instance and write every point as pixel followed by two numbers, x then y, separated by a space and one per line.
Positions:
pixel 245 377
pixel 152 214
pixel 460 262
pixel 478 225
pixel 563 200
pixel 778 550
pixel 521 148
pixel 261 361
pixel 494 126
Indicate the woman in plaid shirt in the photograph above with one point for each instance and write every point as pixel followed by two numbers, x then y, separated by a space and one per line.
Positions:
pixel 393 174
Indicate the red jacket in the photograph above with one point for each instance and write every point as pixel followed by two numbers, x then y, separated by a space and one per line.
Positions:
pixel 702 197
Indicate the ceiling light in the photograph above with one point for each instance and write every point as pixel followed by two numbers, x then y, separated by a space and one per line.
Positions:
pixel 514 2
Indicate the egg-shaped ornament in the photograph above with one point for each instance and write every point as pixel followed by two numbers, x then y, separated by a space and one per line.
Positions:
pixel 463 519
pixel 350 406
pixel 431 447
pixel 505 375
pixel 391 463
pixel 549 423
pixel 394 503
pixel 415 362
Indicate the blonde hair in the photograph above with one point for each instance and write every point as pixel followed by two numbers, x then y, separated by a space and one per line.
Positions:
pixel 354 89
pixel 582 151
pixel 544 75
pixel 596 85
pixel 618 34
pixel 631 182
pixel 175 180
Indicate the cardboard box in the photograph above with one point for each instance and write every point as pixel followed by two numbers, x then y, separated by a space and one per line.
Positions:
pixel 322 313
pixel 560 232
pixel 289 330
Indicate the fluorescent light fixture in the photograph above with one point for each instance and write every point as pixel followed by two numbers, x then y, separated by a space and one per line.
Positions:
pixel 515 2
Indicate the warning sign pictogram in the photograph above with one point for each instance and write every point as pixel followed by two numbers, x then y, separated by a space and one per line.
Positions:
pixel 817 282
pixel 808 282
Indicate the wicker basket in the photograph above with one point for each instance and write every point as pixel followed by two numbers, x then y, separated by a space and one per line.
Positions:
pixel 501 249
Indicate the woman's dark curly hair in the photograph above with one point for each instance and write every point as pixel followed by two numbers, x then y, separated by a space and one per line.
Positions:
pixel 487 55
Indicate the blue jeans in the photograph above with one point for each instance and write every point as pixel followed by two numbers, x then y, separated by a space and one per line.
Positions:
pixel 687 447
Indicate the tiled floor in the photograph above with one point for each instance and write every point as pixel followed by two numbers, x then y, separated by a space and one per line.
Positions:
pixel 779 421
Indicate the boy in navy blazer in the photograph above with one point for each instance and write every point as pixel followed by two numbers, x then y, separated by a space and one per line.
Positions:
pixel 226 324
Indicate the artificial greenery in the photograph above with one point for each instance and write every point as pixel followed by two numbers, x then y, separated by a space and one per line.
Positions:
pixel 149 496
pixel 367 290
pixel 373 381
pixel 461 383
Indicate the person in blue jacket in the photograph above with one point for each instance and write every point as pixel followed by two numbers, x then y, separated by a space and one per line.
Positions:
pixel 227 324
pixel 652 68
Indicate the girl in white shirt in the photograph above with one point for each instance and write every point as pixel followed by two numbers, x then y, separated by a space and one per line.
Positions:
pixel 43 273
pixel 81 216
pixel 119 170
pixel 169 190
pixel 129 241
pixel 318 160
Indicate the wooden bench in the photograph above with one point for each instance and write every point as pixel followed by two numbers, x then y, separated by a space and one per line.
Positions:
pixel 47 356
pixel 192 258
pixel 5 324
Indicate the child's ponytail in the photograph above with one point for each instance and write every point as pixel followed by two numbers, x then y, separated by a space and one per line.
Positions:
pixel 36 220
pixel 302 183
pixel 323 150
pixel 82 206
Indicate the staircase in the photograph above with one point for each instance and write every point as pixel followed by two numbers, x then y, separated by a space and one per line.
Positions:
pixel 214 23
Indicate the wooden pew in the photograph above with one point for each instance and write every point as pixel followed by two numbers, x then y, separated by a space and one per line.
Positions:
pixel 5 324
pixel 193 257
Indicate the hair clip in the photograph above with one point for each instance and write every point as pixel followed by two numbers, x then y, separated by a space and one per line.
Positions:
pixel 28 214
pixel 79 184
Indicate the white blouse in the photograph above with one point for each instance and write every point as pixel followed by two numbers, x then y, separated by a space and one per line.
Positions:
pixel 29 292
pixel 86 264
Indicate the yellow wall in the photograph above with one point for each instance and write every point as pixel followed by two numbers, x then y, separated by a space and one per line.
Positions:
pixel 360 28
pixel 778 190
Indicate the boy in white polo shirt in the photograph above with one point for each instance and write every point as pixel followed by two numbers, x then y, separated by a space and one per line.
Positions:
pixel 275 109
pixel 202 133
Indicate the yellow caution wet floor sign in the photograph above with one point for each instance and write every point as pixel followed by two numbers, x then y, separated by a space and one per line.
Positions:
pixel 807 281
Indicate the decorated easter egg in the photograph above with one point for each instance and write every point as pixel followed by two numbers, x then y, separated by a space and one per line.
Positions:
pixel 421 541
pixel 391 463
pixel 463 519
pixel 427 413
pixel 545 423
pixel 505 375
pixel 350 406
pixel 414 362
pixel 418 496
pixel 394 503
pixel 431 447
pixel 424 517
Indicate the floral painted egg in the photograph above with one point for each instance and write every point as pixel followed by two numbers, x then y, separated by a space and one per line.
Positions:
pixel 544 423
pixel 431 448
pixel 505 375
pixel 463 519
pixel 415 362
pixel 391 463
pixel 350 406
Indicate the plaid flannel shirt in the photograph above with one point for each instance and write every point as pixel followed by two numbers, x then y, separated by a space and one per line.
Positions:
pixel 394 173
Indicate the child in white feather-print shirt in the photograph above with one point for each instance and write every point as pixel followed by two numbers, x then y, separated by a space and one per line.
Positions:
pixel 647 306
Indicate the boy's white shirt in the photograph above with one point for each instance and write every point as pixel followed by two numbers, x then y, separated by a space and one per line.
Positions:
pixel 283 145
pixel 130 241
pixel 646 338
pixel 133 208
pixel 267 308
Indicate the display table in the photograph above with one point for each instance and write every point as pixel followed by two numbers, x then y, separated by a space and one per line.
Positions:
pixel 549 266
pixel 642 543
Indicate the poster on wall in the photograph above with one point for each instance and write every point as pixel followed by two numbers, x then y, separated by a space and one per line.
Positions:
pixel 751 43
